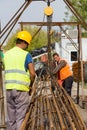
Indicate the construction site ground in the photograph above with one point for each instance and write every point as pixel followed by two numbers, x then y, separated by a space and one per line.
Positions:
pixel 82 106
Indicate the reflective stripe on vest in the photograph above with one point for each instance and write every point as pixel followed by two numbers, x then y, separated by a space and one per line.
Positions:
pixel 16 71
pixel 17 81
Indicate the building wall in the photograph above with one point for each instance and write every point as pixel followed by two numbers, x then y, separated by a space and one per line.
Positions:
pixel 66 48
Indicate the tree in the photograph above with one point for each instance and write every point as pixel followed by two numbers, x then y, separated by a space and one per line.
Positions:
pixel 38 41
pixel 80 6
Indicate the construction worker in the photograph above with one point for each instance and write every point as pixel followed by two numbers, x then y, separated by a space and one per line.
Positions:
pixel 19 75
pixel 62 69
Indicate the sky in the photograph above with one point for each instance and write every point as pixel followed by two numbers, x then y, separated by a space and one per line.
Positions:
pixel 33 13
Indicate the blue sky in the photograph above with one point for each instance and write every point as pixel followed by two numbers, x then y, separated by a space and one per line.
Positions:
pixel 34 12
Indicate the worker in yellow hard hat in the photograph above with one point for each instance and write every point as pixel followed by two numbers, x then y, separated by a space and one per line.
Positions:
pixel 19 74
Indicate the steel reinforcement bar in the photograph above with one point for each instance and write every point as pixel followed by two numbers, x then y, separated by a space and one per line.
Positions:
pixel 51 110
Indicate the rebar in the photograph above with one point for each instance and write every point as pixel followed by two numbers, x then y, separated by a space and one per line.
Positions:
pixel 51 110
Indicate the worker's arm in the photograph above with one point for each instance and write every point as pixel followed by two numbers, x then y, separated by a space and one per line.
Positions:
pixel 32 72
pixel 59 66
pixel 29 65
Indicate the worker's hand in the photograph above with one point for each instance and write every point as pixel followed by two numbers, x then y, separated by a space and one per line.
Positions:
pixel 30 91
pixel 31 85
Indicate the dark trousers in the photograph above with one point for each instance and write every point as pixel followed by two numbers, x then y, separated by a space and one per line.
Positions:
pixel 67 84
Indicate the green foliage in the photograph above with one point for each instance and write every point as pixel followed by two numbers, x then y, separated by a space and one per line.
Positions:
pixel 11 41
pixel 81 8
pixel 84 34
pixel 38 41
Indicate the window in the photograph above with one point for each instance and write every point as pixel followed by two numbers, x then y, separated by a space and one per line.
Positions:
pixel 73 55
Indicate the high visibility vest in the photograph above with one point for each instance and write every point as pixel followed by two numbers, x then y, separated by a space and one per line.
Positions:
pixel 65 72
pixel 15 75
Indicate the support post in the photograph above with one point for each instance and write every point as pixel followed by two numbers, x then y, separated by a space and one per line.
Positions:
pixel 2 108
pixel 80 64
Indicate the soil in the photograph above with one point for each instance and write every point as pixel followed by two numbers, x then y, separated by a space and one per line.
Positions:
pixel 82 104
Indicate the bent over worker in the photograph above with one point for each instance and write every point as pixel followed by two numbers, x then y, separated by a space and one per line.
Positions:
pixel 64 73
pixel 19 74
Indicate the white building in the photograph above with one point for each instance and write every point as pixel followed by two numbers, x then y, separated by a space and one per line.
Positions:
pixel 69 50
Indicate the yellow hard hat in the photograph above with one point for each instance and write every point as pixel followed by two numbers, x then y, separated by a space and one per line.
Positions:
pixel 24 35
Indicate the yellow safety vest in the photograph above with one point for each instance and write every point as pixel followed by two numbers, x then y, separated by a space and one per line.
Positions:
pixel 15 75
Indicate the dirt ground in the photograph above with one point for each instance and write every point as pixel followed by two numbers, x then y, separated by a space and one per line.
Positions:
pixel 82 106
